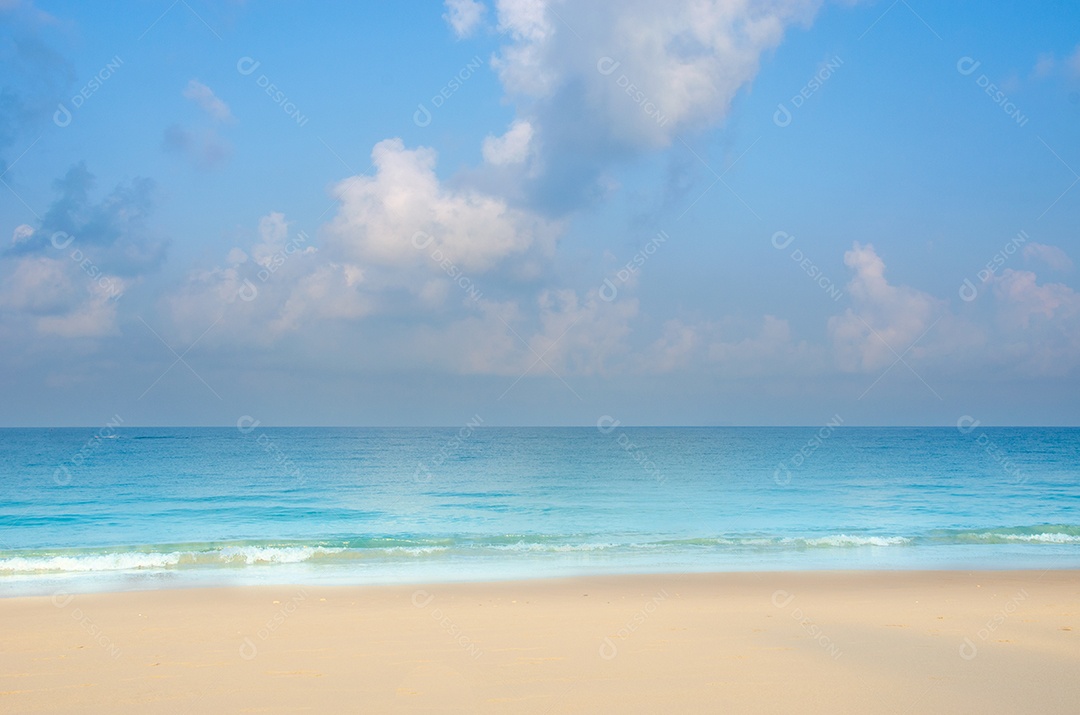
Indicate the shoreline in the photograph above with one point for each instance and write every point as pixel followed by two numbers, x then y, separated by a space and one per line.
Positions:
pixel 105 583
pixel 767 641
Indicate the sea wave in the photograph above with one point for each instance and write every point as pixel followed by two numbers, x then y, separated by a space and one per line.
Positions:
pixel 255 554
pixel 848 540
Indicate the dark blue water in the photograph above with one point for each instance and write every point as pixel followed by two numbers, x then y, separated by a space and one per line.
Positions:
pixel 125 507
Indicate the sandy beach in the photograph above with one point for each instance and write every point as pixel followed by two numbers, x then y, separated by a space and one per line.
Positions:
pixel 848 642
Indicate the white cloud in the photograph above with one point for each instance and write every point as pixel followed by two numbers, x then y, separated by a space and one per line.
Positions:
pixel 674 349
pixel 512 147
pixel 94 317
pixel 329 292
pixel 884 321
pixel 205 98
pixel 772 350
pixel 1026 302
pixel 21 233
pixel 685 60
pixel 1073 63
pixel 1044 65
pixel 1052 256
pixel 1038 330
pixel 207 149
pixel 560 333
pixel 464 16
pixel 403 214
pixel 61 299
pixel 39 286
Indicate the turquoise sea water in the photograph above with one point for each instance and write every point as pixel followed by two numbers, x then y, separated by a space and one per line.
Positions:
pixel 85 509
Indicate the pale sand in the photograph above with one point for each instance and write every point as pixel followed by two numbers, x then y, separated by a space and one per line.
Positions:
pixel 715 643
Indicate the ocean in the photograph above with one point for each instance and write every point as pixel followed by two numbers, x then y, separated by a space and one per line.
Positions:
pixel 121 508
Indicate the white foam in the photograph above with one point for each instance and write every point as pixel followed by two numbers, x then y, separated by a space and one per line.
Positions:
pixel 272 554
pixel 846 540
pixel 91 562
pixel 1045 538
pixel 523 546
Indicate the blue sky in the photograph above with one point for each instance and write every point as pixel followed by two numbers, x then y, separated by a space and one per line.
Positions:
pixel 417 213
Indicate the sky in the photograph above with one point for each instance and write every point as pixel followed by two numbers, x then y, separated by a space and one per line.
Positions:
pixel 539 212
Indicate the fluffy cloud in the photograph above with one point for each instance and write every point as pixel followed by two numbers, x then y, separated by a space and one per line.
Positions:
pixel 604 80
pixel 403 214
pixel 205 148
pixel 67 274
pixel 1028 328
pixel 771 350
pixel 464 16
pixel 113 232
pixel 62 297
pixel 1037 329
pixel 512 147
pixel 209 102
pixel 884 321
pixel 1052 256
pixel 1026 302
